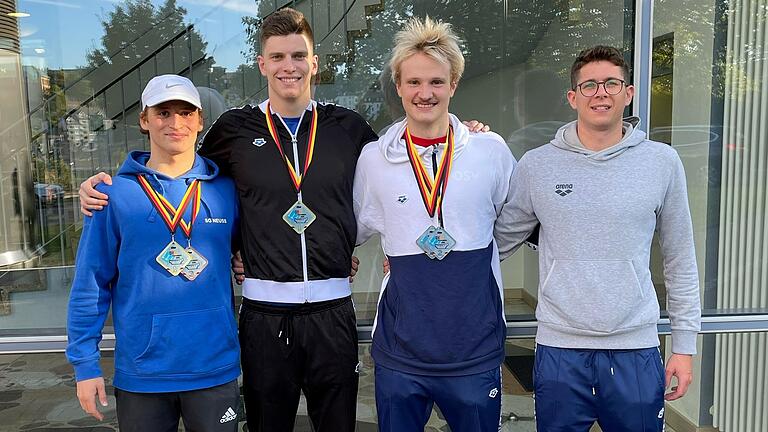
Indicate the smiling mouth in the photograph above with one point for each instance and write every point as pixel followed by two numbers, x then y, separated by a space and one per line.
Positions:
pixel 425 105
pixel 289 80
pixel 600 108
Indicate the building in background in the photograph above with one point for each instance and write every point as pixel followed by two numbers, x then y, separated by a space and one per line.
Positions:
pixel 71 72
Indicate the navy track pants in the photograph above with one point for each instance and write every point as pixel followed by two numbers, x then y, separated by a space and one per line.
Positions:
pixel 469 403
pixel 621 390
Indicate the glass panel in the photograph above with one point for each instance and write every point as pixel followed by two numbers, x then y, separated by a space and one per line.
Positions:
pixel 79 75
pixel 708 101
pixel 518 58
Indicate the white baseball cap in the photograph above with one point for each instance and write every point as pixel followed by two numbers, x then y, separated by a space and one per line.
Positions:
pixel 163 88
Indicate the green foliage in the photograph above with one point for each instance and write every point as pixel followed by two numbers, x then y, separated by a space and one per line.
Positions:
pixel 53 171
pixel 136 29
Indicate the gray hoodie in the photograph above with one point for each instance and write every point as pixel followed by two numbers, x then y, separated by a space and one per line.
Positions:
pixel 598 213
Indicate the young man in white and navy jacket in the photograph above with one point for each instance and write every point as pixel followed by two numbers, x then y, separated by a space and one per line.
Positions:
pixel 433 191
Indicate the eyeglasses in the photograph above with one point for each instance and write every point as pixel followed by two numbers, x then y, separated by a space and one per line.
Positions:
pixel 612 86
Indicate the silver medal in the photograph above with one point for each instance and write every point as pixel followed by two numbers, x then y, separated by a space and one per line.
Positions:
pixel 436 242
pixel 299 217
pixel 173 258
pixel 196 264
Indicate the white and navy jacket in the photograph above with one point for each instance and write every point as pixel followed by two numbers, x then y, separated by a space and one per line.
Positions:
pixel 280 265
pixel 436 317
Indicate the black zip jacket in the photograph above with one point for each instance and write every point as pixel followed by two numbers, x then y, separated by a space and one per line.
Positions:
pixel 240 144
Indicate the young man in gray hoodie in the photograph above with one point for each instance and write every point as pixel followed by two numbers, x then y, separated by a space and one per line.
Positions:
pixel 600 190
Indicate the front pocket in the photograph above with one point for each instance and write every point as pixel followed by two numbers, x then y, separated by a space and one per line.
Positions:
pixel 600 296
pixel 189 343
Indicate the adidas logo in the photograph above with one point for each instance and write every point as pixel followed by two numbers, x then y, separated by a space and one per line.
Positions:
pixel 493 393
pixel 564 189
pixel 228 416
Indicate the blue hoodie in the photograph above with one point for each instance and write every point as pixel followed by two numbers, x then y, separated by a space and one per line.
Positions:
pixel 171 334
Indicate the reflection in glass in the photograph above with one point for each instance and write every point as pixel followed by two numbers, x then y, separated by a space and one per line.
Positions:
pixel 708 100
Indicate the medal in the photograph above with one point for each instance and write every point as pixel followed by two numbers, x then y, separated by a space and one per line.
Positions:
pixel 435 241
pixel 298 216
pixel 173 258
pixel 196 264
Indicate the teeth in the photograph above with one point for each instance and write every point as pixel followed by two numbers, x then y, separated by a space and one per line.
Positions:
pixel 289 79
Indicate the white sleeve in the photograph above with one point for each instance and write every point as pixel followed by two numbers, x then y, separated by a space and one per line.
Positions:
pixel 365 210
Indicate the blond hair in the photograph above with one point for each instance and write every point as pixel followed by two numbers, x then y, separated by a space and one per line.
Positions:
pixel 433 38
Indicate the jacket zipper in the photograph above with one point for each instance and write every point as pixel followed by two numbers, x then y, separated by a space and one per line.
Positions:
pixel 297 168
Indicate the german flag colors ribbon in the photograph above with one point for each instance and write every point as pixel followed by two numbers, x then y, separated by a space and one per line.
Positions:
pixel 173 216
pixel 295 178
pixel 432 190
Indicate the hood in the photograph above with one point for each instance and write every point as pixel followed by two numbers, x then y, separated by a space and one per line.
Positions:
pixel 567 138
pixel 136 163
pixel 392 144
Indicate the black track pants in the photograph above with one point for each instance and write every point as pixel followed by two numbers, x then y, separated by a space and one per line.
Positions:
pixel 310 348
pixel 212 409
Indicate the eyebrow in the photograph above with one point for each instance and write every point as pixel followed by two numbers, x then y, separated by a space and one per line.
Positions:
pixel 305 52
pixel 601 80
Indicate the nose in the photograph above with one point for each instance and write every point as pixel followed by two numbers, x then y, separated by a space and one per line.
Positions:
pixel 601 91
pixel 175 120
pixel 288 64
pixel 425 91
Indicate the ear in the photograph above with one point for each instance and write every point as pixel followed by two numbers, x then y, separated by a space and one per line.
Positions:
pixel 143 121
pixel 571 95
pixel 630 94
pixel 397 87
pixel 262 66
pixel 200 116
pixel 315 65
pixel 454 85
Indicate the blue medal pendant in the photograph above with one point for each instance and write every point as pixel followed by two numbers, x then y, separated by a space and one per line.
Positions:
pixel 173 258
pixel 299 217
pixel 436 242
pixel 196 264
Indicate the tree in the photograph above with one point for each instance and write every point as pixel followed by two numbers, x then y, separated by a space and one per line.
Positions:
pixel 134 32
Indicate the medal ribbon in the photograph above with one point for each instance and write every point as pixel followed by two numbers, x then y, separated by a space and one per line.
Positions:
pixel 295 178
pixel 173 216
pixel 196 200
pixel 432 191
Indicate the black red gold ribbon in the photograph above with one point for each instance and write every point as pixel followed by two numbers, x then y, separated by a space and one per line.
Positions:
pixel 432 191
pixel 173 216
pixel 295 178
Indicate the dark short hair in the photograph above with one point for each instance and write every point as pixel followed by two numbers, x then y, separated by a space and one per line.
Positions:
pixel 285 22
pixel 595 54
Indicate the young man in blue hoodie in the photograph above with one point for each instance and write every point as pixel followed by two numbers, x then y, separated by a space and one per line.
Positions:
pixel 600 190
pixel 433 190
pixel 159 256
